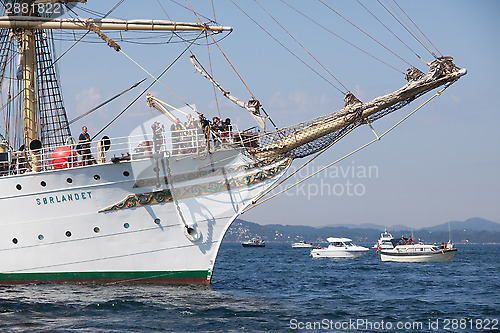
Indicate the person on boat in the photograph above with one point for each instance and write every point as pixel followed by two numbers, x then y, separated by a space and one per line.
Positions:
pixel 143 148
pixel 228 130
pixel 319 246
pixel 190 122
pixel 84 147
pixel 410 241
pixel 204 126
pixel 217 129
pixel 176 129
pixel 190 125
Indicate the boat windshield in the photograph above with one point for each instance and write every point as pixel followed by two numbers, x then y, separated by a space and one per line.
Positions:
pixel 348 243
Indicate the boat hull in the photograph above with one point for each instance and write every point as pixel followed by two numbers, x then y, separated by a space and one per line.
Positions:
pixel 110 223
pixel 341 254
pixel 253 245
pixel 163 277
pixel 437 256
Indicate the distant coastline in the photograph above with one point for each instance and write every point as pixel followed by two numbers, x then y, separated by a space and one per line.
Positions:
pixel 471 231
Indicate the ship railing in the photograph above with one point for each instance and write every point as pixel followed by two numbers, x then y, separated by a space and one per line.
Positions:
pixel 115 150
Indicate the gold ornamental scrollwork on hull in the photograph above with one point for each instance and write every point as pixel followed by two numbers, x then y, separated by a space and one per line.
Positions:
pixel 188 176
pixel 142 199
pixel 197 190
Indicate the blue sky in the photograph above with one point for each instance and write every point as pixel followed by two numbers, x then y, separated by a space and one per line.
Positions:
pixel 442 164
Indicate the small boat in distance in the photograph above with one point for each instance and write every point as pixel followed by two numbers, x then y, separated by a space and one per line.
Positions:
pixel 254 242
pixel 407 251
pixel 301 244
pixel 339 248
pixel 384 241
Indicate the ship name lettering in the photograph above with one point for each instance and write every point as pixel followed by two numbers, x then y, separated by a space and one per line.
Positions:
pixel 60 198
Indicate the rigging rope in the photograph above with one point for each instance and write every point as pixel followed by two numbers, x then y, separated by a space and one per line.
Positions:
pixel 302 46
pixel 385 26
pixel 197 14
pixel 364 32
pixel 67 7
pixel 106 102
pixel 159 3
pixel 156 79
pixel 222 52
pixel 341 38
pixel 406 28
pixel 212 75
pixel 417 27
pixel 303 165
pixel 213 10
pixel 145 90
pixel 113 9
pixel 277 41
pixel 378 138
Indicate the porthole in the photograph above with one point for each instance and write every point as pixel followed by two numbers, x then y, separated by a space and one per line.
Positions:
pixel 96 230
pixel 43 183
pixel 40 237
pixel 126 225
pixel 68 233
pixel 69 180
pixel 19 187
pixel 14 240
pixel 97 177
pixel 126 173
pixel 157 220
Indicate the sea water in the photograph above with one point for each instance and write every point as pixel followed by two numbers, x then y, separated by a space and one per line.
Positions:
pixel 278 288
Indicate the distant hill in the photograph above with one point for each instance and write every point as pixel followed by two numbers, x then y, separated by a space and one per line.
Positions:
pixel 476 224
pixel 472 224
pixel 396 227
pixel 474 230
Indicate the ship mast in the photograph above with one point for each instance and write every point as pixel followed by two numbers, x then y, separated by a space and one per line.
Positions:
pixel 29 86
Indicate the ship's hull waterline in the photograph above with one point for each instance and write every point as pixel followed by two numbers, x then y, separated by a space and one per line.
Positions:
pixel 110 223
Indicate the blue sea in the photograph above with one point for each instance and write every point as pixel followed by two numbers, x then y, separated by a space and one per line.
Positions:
pixel 278 288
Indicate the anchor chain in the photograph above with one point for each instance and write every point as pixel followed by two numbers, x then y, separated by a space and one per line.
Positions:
pixel 190 230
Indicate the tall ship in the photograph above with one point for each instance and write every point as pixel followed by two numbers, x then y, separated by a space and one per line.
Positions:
pixel 153 205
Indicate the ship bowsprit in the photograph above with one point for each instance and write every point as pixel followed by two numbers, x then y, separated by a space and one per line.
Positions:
pixel 314 135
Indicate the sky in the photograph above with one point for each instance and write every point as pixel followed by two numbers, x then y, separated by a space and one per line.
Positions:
pixel 440 165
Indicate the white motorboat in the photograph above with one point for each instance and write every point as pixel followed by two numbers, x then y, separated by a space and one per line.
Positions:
pixel 254 242
pixel 301 244
pixel 418 252
pixel 339 248
pixel 384 241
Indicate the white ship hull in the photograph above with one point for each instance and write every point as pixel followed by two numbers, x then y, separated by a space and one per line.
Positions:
pixel 109 222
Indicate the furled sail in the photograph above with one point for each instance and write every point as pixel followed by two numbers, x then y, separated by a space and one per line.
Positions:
pixel 33 22
pixel 312 136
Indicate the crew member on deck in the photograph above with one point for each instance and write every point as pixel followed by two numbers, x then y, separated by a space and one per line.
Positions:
pixel 176 129
pixel 190 138
pixel 84 143
pixel 204 124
